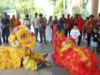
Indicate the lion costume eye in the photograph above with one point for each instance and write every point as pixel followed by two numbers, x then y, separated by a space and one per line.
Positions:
pixel 23 36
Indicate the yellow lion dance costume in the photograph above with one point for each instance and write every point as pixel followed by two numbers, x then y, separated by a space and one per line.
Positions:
pixel 22 40
pixel 21 36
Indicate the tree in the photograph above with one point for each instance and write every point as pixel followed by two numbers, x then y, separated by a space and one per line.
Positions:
pixel 59 6
pixel 53 2
pixel 25 7
pixel 22 6
pixel 6 4
pixel 85 10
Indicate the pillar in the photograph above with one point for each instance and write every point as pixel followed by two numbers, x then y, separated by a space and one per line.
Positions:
pixel 94 7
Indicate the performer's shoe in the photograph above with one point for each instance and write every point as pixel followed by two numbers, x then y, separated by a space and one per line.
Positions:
pixel 40 65
pixel 47 64
pixel 45 55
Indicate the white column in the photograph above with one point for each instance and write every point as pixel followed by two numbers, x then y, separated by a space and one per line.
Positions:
pixel 99 7
pixel 94 7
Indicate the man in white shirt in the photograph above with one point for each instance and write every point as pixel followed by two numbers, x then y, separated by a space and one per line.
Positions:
pixel 75 33
pixel 27 22
pixel 35 24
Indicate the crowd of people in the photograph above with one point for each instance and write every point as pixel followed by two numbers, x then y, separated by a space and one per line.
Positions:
pixel 75 27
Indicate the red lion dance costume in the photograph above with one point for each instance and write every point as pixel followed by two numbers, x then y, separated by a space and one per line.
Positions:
pixel 78 60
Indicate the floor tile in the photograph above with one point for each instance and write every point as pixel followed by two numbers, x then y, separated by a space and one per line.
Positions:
pixel 46 71
pixel 1 71
pixel 21 71
pixel 9 71
pixel 33 72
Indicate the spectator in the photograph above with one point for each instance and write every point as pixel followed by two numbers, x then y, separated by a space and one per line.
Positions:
pixel 49 30
pixel 81 24
pixel 95 39
pixel 9 17
pixel 91 24
pixel 98 23
pixel 27 21
pixel 55 27
pixel 5 28
pixel 35 25
pixel 85 27
pixel 0 33
pixel 17 22
pixel 45 19
pixel 75 17
pixel 12 22
pixel 66 28
pixel 99 16
pixel 69 22
pixel 50 22
pixel 42 27
pixel 56 19
pixel 75 33
pixel 62 21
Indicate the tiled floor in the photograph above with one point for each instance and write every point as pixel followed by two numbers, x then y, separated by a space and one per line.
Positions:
pixel 41 48
pixel 53 70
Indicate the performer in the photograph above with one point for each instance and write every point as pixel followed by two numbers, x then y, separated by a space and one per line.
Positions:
pixel 59 33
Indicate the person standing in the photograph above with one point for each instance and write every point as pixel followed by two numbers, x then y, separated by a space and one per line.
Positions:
pixel 50 22
pixel 85 27
pixel 35 25
pixel 94 39
pixel 81 24
pixel 69 22
pixel 12 22
pixel 98 23
pixel 91 24
pixel 62 21
pixel 49 30
pixel 72 22
pixel 27 21
pixel 5 28
pixel 56 19
pixel 0 33
pixel 75 33
pixel 75 17
pixel 42 27
pixel 17 22
pixel 55 27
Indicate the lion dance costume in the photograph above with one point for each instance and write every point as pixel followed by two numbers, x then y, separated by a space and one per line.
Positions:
pixel 78 60
pixel 22 40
